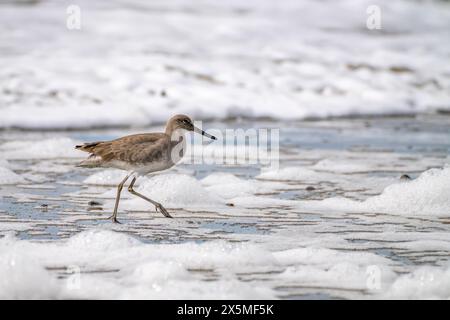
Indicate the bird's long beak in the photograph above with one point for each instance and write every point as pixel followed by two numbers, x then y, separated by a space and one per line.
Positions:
pixel 203 133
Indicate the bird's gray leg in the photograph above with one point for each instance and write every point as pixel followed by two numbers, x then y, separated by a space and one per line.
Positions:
pixel 116 206
pixel 156 204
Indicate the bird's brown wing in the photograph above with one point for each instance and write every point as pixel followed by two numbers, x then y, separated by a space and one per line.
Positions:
pixel 138 148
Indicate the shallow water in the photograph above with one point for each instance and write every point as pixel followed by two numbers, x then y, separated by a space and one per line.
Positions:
pixel 53 203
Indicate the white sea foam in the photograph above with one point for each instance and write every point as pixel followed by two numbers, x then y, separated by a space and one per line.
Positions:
pixel 9 177
pixel 429 194
pixel 291 173
pixel 145 271
pixel 42 149
pixel 229 186
pixel 344 166
pixel 269 64
pixel 26 278
pixel 423 283
pixel 174 190
pixel 127 268
pixel 325 267
pixel 110 177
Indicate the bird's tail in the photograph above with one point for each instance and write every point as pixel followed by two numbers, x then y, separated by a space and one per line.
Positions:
pixel 87 147
pixel 91 162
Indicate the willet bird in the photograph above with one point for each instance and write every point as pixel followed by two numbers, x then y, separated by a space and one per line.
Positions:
pixel 140 154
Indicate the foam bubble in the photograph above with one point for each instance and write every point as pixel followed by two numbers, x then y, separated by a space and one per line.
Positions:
pixel 42 149
pixel 24 277
pixel 287 77
pixel 426 195
pixel 174 190
pixel 128 268
pixel 291 173
pixel 9 177
pixel 423 283
pixel 110 177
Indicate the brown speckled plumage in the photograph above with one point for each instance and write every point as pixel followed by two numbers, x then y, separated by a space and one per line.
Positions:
pixel 136 148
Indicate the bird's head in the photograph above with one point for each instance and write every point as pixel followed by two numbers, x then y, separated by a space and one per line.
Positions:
pixel 181 121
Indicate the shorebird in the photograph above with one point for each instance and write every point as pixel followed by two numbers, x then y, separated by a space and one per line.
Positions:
pixel 140 154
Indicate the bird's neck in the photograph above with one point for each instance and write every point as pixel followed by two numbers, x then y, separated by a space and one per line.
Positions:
pixel 176 134
pixel 177 145
pixel 170 128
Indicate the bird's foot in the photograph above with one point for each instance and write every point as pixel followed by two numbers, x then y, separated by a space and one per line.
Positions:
pixel 163 210
pixel 113 219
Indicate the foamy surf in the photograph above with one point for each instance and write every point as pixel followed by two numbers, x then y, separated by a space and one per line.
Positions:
pixel 282 73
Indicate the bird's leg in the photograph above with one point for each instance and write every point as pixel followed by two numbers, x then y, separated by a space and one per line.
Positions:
pixel 156 204
pixel 116 206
